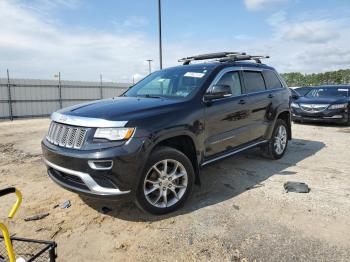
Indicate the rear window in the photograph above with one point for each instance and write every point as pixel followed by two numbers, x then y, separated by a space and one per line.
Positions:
pixel 271 80
pixel 254 81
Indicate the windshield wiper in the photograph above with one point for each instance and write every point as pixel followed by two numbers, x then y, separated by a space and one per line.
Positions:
pixel 149 96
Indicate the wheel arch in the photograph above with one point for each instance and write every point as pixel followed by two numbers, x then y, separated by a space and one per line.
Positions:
pixel 285 115
pixel 185 143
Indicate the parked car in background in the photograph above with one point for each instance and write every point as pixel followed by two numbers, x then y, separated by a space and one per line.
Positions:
pixel 151 142
pixel 294 94
pixel 323 104
pixel 297 92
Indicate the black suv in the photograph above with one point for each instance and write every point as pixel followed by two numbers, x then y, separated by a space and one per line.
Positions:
pixel 151 142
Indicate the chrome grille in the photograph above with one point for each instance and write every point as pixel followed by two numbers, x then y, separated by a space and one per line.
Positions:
pixel 66 136
pixel 313 108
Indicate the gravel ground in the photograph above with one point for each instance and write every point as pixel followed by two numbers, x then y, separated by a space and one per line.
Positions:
pixel 240 212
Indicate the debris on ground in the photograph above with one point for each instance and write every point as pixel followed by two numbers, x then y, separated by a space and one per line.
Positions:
pixel 56 232
pixel 254 186
pixel 105 210
pixel 235 207
pixel 36 217
pixel 190 240
pixel 297 187
pixel 56 206
pixel 122 246
pixel 66 204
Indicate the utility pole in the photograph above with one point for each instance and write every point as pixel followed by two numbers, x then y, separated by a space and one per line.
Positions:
pixel 101 94
pixel 9 95
pixel 149 65
pixel 60 88
pixel 160 33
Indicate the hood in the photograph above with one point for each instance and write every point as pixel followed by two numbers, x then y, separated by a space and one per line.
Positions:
pixel 122 108
pixel 323 100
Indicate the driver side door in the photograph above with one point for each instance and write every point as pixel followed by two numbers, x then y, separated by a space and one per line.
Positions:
pixel 226 119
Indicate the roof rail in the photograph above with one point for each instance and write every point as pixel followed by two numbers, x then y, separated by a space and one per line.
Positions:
pixel 223 57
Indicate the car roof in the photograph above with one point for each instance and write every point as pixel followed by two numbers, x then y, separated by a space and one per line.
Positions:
pixel 331 86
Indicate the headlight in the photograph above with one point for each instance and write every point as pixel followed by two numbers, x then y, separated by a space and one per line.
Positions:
pixel 338 106
pixel 114 134
pixel 295 105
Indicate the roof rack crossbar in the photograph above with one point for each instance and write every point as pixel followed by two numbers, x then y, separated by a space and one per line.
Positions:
pixel 223 57
pixel 234 58
pixel 188 60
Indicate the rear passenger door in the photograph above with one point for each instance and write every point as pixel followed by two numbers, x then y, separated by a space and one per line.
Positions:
pixel 259 102
pixel 276 91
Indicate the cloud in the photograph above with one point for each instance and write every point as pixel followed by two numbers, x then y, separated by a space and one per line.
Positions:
pixel 260 4
pixel 313 31
pixel 309 42
pixel 33 46
pixel 52 4
pixel 131 22
pixel 277 18
pixel 135 21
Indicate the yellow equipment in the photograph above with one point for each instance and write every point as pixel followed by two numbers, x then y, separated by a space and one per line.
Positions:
pixel 41 246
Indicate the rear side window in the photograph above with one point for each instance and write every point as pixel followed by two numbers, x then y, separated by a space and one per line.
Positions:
pixel 254 82
pixel 271 80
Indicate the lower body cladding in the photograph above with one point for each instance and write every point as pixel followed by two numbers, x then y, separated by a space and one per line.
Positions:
pixel 340 116
pixel 107 173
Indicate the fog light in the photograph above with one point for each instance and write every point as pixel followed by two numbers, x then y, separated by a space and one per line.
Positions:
pixel 101 164
pixel 335 116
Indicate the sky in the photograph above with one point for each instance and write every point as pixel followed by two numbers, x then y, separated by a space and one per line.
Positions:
pixel 85 38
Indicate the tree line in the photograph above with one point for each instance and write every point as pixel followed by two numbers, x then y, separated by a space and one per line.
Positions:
pixel 328 78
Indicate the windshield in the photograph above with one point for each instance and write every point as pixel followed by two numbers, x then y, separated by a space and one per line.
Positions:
pixel 302 91
pixel 327 92
pixel 171 83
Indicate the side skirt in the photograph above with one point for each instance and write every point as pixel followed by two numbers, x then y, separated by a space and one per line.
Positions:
pixel 231 153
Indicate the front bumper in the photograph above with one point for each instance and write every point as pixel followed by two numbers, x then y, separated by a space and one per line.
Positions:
pixel 70 168
pixel 327 116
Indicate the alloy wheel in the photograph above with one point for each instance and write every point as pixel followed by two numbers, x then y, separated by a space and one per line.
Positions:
pixel 280 140
pixel 165 183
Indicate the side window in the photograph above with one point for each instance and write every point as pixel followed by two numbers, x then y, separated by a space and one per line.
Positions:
pixel 254 82
pixel 231 79
pixel 271 80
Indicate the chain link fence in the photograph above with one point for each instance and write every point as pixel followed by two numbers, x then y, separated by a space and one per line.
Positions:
pixel 23 98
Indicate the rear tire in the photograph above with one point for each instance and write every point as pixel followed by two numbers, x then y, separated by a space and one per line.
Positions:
pixel 166 181
pixel 277 145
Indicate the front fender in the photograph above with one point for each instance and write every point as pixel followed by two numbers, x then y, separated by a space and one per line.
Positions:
pixel 193 132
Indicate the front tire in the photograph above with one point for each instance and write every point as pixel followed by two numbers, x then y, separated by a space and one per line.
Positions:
pixel 166 181
pixel 277 145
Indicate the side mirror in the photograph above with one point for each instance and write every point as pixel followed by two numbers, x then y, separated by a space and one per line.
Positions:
pixel 218 91
pixel 295 96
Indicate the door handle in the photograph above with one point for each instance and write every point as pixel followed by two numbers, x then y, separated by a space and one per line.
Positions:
pixel 241 102
pixel 270 96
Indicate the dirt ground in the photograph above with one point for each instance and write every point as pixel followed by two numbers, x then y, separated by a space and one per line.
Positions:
pixel 240 212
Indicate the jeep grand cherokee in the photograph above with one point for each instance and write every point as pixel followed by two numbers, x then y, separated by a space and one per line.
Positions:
pixel 151 142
